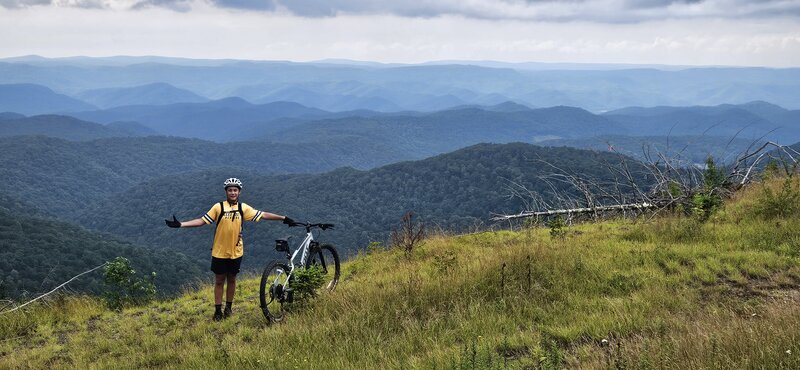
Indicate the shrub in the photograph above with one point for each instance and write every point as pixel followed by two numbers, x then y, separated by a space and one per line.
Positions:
pixel 123 289
pixel 557 227
pixel 306 282
pixel 375 247
pixel 709 200
pixel 782 203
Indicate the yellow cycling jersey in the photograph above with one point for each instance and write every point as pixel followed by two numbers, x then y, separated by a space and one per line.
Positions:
pixel 228 237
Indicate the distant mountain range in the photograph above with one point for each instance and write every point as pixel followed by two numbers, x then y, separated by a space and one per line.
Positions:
pixel 219 120
pixel 151 94
pixel 69 128
pixel 30 99
pixel 390 137
pixel 341 85
pixel 751 120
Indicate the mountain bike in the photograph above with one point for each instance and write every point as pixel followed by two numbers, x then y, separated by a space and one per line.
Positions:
pixel 276 288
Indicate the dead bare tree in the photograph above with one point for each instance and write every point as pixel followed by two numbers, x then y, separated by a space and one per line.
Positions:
pixel 409 235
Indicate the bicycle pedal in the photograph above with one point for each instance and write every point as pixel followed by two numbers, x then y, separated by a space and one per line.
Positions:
pixel 289 294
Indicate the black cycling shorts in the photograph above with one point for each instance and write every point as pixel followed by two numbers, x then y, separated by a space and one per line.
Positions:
pixel 225 265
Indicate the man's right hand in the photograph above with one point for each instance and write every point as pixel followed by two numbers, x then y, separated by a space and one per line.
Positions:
pixel 173 223
pixel 287 220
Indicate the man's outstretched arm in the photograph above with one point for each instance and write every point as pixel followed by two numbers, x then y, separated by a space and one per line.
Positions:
pixel 192 223
pixel 276 217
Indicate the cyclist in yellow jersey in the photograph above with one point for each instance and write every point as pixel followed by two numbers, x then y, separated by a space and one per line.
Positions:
pixel 226 254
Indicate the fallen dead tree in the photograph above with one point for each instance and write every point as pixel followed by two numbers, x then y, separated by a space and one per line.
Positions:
pixel 662 183
pixel 575 211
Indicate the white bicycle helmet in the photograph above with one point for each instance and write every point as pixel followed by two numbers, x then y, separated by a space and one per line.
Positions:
pixel 233 182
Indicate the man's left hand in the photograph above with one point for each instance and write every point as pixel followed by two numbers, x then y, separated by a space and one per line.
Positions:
pixel 173 223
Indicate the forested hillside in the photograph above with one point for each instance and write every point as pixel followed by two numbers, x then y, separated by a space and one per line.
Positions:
pixel 64 177
pixel 686 150
pixel 37 254
pixel 454 191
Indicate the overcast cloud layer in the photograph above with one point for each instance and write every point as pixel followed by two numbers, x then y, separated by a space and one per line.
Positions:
pixel 534 10
pixel 714 32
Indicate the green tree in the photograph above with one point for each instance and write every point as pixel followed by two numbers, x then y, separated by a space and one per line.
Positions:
pixel 123 288
pixel 707 201
pixel 557 227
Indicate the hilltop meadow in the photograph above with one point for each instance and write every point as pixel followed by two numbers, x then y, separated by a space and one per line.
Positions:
pixel 667 291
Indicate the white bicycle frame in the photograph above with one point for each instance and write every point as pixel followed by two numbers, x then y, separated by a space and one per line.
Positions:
pixel 304 246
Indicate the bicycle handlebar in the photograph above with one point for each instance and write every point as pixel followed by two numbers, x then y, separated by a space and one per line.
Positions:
pixel 310 226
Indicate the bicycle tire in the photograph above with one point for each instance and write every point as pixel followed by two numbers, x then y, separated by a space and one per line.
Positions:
pixel 271 293
pixel 323 256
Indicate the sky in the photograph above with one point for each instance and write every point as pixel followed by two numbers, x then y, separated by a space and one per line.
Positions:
pixel 687 32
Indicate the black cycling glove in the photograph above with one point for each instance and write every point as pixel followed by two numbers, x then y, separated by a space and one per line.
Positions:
pixel 288 220
pixel 173 223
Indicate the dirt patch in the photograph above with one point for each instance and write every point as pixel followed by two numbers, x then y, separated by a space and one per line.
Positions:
pixel 513 352
pixel 91 324
pixel 753 288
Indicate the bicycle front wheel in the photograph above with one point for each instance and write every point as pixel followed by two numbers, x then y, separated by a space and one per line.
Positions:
pixel 327 259
pixel 272 293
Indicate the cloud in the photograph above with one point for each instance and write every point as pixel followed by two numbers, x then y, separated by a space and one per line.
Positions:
pixel 15 4
pixel 86 4
pixel 176 5
pixel 603 11
pixel 266 5
pixel 600 11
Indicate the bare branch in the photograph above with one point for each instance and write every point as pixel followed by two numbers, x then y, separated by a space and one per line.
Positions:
pixel 52 291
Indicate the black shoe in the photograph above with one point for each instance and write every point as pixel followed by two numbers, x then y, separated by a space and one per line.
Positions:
pixel 217 316
pixel 227 312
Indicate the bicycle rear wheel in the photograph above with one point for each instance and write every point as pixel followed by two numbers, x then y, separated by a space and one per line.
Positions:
pixel 327 259
pixel 271 292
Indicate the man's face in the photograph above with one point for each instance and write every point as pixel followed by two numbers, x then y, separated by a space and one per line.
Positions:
pixel 233 194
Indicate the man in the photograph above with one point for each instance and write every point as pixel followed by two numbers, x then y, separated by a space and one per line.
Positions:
pixel 226 254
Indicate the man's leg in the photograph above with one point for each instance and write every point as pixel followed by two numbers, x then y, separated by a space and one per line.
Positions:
pixel 229 293
pixel 231 287
pixel 219 284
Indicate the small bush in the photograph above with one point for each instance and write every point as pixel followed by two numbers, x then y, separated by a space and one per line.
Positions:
pixel 123 289
pixel 705 203
pixel 558 228
pixel 375 247
pixel 782 203
pixel 306 282
pixel 445 262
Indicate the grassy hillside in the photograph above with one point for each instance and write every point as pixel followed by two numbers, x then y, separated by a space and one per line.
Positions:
pixel 664 293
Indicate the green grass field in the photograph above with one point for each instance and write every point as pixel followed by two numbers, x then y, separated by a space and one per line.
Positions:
pixel 670 292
